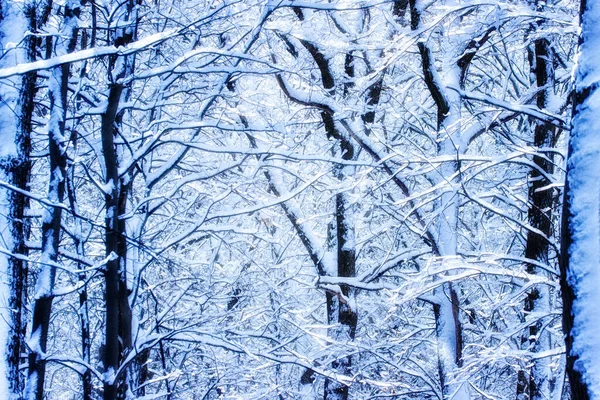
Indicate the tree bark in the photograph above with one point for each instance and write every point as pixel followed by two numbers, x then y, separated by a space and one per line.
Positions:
pixel 446 310
pixel 541 198
pixel 339 312
pixel 17 170
pixel 84 322
pixel 118 337
pixel 581 213
pixel 114 387
pixel 51 223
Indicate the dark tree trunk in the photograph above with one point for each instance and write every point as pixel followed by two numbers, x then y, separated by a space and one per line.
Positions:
pixel 338 307
pixel 86 376
pixel 51 225
pixel 86 343
pixel 21 227
pixel 451 306
pixel 539 215
pixel 19 172
pixel 118 310
pixel 114 387
pixel 338 310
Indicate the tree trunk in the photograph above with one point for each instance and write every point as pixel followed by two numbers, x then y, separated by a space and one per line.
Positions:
pixel 541 198
pixel 118 311
pixel 16 168
pixel 51 223
pixel 446 310
pixel 84 322
pixel 580 271
pixel 341 310
pixel 78 241
pixel 114 387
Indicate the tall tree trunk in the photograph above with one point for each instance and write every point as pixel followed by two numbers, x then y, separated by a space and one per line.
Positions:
pixel 447 306
pixel 580 252
pixel 78 242
pixel 118 339
pixel 535 384
pixel 341 310
pixel 16 168
pixel 114 387
pixel 84 322
pixel 86 342
pixel 51 223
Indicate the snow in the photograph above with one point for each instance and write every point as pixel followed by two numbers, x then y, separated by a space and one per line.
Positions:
pixel 31 385
pixel 535 112
pixel 588 71
pixel 12 31
pixel 109 376
pixel 86 55
pixel 43 284
pixel 213 175
pixel 5 317
pixel 56 117
pixel 584 181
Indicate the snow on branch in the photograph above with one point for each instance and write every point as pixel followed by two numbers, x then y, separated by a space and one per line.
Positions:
pixel 87 54
pixel 520 108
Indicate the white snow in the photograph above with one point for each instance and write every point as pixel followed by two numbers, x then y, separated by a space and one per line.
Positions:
pixel 5 317
pixel 86 55
pixel 12 32
pixel 584 180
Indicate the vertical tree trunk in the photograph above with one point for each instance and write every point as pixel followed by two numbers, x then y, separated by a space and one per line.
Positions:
pixel 78 242
pixel 535 384
pixel 86 342
pixel 446 309
pixel 118 339
pixel 16 169
pixel 84 323
pixel 340 309
pixel 113 237
pixel 580 252
pixel 51 223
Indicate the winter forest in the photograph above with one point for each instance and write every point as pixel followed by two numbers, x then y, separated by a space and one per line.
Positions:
pixel 287 199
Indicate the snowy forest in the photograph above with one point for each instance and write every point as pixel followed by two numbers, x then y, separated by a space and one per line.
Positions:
pixel 300 199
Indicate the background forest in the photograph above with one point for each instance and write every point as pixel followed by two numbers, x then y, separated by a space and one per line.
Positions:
pixel 280 199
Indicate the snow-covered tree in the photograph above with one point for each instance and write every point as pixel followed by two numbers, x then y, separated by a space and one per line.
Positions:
pixel 581 232
pixel 259 199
